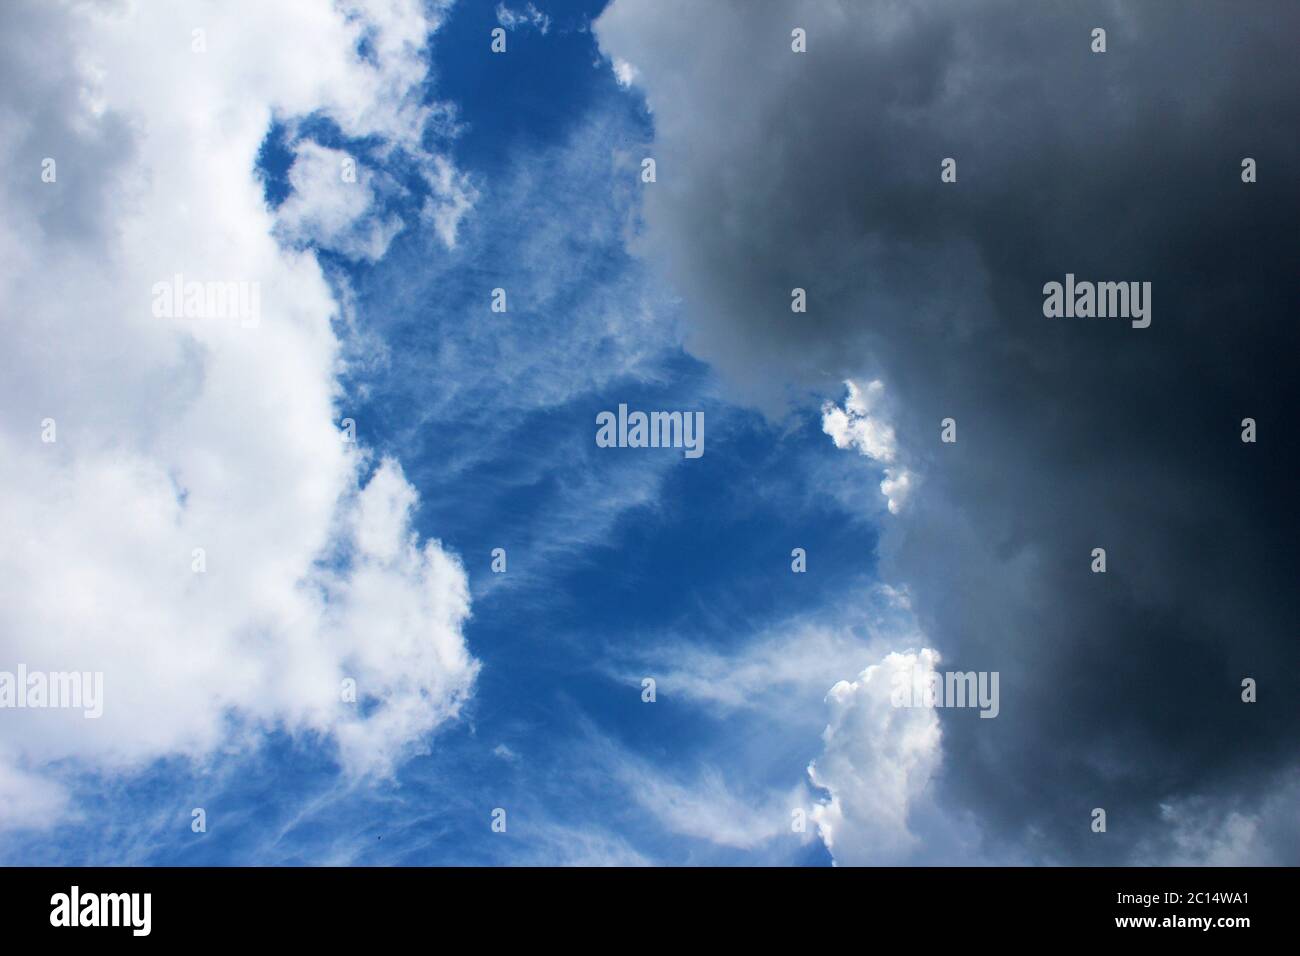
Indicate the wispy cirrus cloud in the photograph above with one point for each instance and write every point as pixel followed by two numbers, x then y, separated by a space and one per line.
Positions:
pixel 526 16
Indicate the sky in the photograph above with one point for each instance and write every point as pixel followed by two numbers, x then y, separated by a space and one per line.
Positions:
pixel 236 518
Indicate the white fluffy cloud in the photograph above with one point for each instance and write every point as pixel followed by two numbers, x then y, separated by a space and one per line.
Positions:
pixel 870 799
pixel 327 209
pixel 877 763
pixel 346 217
pixel 179 434
pixel 624 72
pixel 861 424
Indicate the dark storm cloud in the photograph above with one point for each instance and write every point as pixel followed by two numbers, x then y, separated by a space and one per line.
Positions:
pixel 821 170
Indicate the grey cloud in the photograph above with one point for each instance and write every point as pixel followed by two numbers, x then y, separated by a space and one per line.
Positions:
pixel 90 144
pixel 821 170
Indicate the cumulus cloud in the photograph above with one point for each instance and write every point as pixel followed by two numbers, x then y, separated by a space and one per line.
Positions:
pixel 624 72
pixel 347 216
pixel 175 435
pixel 861 425
pixel 868 792
pixel 327 209
pixel 877 762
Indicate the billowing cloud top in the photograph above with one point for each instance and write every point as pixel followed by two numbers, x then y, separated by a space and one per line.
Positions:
pixel 181 511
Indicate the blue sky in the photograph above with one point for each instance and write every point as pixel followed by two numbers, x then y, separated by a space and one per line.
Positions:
pixel 613 555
